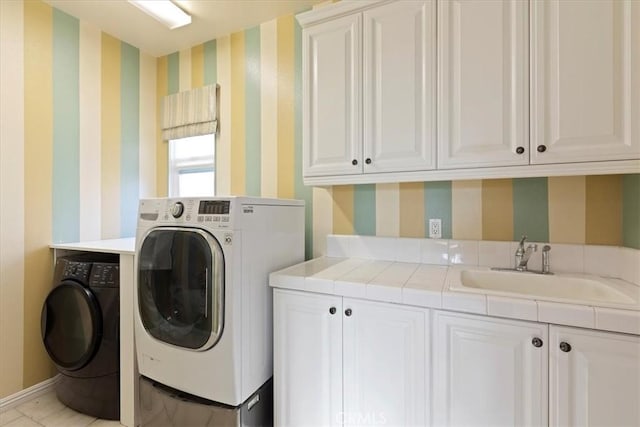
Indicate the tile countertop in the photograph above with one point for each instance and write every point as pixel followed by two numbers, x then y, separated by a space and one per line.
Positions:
pixel 112 246
pixel 431 286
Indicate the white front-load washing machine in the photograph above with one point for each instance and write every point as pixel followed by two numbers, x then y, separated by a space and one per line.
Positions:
pixel 203 323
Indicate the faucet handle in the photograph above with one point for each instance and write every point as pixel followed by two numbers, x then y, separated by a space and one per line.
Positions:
pixel 546 266
pixel 533 246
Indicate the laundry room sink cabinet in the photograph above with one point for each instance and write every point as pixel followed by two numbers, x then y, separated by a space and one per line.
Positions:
pixel 343 361
pixel 594 378
pixel 488 371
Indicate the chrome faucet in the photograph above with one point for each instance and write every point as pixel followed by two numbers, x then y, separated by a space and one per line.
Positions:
pixel 522 258
pixel 523 255
pixel 520 250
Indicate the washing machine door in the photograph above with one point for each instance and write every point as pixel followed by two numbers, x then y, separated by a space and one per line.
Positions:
pixel 181 287
pixel 71 325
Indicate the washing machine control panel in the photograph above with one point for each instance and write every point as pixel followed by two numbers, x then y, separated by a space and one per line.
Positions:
pixel 213 212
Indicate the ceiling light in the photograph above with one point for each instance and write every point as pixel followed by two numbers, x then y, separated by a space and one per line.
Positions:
pixel 164 11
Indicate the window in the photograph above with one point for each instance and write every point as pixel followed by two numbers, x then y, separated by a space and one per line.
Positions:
pixel 192 166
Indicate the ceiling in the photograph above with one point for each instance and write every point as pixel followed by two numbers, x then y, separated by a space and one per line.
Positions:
pixel 210 19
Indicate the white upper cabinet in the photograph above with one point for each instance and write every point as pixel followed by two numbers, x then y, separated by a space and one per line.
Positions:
pixel 399 87
pixel 488 372
pixel 586 80
pixel 483 83
pixel 369 89
pixel 331 61
pixel 594 378
pixel 427 90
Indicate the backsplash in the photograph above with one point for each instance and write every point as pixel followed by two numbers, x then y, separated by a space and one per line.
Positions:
pixel 593 210
pixel 608 261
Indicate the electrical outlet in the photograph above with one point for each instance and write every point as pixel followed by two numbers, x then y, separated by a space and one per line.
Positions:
pixel 435 228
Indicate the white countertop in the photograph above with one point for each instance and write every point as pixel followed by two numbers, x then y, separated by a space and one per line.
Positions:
pixel 112 246
pixel 436 286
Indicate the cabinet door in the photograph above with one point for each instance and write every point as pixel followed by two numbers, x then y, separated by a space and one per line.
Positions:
pixel 586 80
pixel 483 83
pixel 487 372
pixel 399 87
pixel 307 359
pixel 331 67
pixel 597 381
pixel 385 360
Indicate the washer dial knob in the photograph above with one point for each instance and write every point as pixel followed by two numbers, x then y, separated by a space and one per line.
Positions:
pixel 177 209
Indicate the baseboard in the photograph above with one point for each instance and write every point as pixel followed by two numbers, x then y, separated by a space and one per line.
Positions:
pixel 27 394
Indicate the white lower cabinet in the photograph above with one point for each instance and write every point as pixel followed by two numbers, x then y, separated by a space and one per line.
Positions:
pixel 370 357
pixel 349 362
pixel 594 378
pixel 307 369
pixel 385 364
pixel 488 372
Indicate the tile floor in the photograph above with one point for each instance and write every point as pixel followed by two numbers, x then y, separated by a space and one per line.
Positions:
pixel 46 410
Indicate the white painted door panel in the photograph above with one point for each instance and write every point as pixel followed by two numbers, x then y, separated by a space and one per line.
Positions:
pixel 307 359
pixel 385 364
pixel 586 80
pixel 331 131
pixel 597 382
pixel 483 83
pixel 399 51
pixel 487 372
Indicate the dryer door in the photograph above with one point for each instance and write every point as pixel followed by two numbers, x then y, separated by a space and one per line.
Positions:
pixel 71 325
pixel 181 287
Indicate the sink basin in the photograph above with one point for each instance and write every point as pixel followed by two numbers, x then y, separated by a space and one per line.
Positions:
pixel 550 286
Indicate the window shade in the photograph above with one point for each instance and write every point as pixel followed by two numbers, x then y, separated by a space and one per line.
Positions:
pixel 190 113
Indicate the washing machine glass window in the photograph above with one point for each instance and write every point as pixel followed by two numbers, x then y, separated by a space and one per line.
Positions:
pixel 71 325
pixel 181 287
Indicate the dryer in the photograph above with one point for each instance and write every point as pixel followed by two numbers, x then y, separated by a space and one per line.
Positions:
pixel 203 323
pixel 80 331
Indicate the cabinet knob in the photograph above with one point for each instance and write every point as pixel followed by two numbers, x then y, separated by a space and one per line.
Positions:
pixel 541 148
pixel 354 162
pixel 537 342
pixel 520 150
pixel 332 310
pixel 348 312
pixel 565 346
pixel 368 161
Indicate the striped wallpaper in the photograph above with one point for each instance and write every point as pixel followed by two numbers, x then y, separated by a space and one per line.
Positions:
pixel 259 153
pixel 78 150
pixel 94 102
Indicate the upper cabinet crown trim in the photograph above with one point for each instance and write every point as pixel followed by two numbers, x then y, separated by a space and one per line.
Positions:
pixel 336 10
